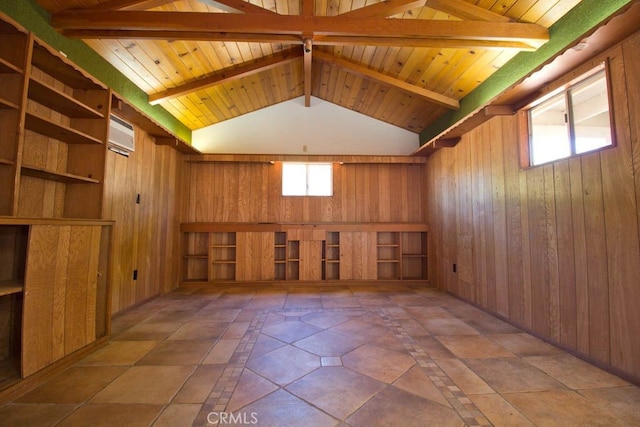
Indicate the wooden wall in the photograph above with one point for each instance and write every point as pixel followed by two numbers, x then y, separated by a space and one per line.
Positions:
pixel 553 248
pixel 251 192
pixel 145 235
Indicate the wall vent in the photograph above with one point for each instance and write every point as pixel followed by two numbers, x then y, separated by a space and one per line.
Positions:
pixel 121 136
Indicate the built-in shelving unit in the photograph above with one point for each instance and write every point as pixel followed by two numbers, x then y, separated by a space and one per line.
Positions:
pixel 402 255
pixel 66 129
pixel 222 256
pixel 293 259
pixel 332 256
pixel 13 250
pixel 14 48
pixel 280 255
pixel 195 257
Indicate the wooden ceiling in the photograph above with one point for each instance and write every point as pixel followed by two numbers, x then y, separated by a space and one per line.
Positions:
pixel 405 62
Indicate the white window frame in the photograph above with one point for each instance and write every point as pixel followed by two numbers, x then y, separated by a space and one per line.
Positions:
pixel 308 191
pixel 564 91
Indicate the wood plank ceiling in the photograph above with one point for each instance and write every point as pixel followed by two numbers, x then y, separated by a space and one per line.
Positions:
pixel 206 61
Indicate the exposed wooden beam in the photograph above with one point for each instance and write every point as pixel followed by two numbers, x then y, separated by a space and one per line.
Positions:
pixel 228 74
pixel 128 5
pixel 384 9
pixel 308 7
pixel 465 10
pixel 423 42
pixel 349 66
pixel 308 56
pixel 95 22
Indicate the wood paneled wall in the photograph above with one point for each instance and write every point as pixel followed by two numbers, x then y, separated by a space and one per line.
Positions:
pixel 553 248
pixel 145 237
pixel 251 192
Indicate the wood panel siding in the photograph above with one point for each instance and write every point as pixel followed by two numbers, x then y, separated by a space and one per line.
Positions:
pixel 145 237
pixel 555 248
pixel 252 192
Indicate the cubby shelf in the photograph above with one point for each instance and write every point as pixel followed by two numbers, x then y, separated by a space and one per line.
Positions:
pixel 10 287
pixel 7 67
pixel 6 162
pixel 58 131
pixel 8 105
pixel 51 97
pixel 63 177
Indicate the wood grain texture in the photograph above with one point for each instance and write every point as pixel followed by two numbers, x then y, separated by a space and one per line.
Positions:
pixel 145 237
pixel 251 192
pixel 568 232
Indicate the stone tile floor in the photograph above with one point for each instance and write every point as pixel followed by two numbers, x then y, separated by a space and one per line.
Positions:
pixel 367 354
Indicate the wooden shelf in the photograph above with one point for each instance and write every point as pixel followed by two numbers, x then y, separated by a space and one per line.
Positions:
pixel 51 97
pixel 64 177
pixel 388 261
pixel 60 132
pixel 59 69
pixel 219 261
pixel 6 162
pixel 10 287
pixel 223 246
pixel 8 105
pixel 7 67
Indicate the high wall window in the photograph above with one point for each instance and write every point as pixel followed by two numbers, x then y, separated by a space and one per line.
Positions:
pixel 307 179
pixel 570 121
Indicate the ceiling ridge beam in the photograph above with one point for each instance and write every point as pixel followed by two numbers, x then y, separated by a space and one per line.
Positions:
pixel 299 25
pixel 227 75
pixel 244 6
pixel 467 11
pixel 362 71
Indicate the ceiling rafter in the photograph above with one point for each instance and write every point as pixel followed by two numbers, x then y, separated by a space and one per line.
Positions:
pixel 351 67
pixel 228 74
pixel 464 10
pixel 128 4
pixel 94 24
pixel 242 6
pixel 385 8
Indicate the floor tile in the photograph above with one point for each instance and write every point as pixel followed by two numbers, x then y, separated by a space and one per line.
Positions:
pixel 417 382
pixel 324 320
pixel 119 353
pixel 623 401
pixel 270 411
pixel 200 331
pixel 290 331
pixel 467 347
pixel 109 415
pixel 264 344
pixel 145 384
pixel 148 331
pixel 508 375
pixel 75 385
pixel 359 329
pixel 499 411
pixel 433 348
pixel 236 330
pixel 448 327
pixel 250 388
pixel 395 407
pixel 522 344
pixel 171 316
pixel 328 343
pixel 222 351
pixel 177 415
pixel 285 364
pixel 562 408
pixel 336 390
pixel 379 363
pixel 197 388
pixel 176 353
pixel 463 377
pixel 575 373
pixel 36 415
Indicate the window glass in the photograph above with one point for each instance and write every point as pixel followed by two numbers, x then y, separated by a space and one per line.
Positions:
pixel 307 179
pixel 573 121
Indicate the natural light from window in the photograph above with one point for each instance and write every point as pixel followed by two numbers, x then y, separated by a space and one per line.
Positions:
pixel 572 122
pixel 307 179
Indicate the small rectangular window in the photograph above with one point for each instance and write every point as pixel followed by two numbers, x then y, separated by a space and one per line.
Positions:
pixel 307 179
pixel 572 121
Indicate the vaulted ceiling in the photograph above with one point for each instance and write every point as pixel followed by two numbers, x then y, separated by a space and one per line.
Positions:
pixel 404 62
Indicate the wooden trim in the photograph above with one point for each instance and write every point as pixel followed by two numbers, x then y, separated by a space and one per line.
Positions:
pixel 10 220
pixel 211 227
pixel 268 158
